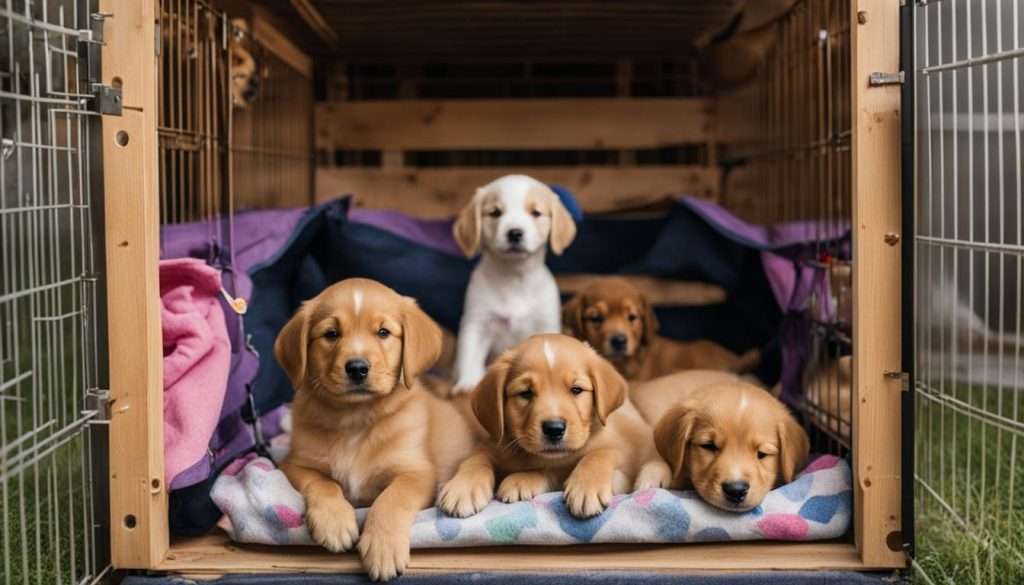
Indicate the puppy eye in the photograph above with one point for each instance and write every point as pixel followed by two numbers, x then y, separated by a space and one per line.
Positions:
pixel 761 454
pixel 527 394
pixel 331 334
pixel 596 319
pixel 709 446
pixel 495 213
pixel 576 390
pixel 632 317
pixel 383 333
pixel 536 213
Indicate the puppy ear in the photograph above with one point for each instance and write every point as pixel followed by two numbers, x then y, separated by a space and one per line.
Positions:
pixel 466 228
pixel 793 447
pixel 572 315
pixel 672 436
pixel 488 399
pixel 609 387
pixel 563 228
pixel 421 342
pixel 292 343
pixel 650 322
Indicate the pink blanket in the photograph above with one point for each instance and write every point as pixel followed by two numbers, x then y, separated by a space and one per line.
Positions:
pixel 197 359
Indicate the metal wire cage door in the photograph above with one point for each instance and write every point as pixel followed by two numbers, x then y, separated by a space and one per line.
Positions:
pixel 52 447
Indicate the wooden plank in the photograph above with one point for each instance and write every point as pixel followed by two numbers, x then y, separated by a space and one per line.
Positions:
pixel 138 501
pixel 441 192
pixel 316 22
pixel 511 124
pixel 214 554
pixel 876 283
pixel 266 34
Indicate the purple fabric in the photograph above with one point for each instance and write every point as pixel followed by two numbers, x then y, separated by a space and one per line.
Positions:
pixel 432 233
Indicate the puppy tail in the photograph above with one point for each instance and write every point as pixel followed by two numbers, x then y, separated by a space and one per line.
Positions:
pixel 748 361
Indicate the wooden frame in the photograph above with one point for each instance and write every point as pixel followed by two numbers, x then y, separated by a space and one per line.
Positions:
pixel 140 536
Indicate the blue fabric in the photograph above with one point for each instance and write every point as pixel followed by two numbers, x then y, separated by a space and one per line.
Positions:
pixel 326 248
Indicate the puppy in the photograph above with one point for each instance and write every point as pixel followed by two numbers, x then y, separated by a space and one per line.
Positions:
pixel 615 318
pixel 511 293
pixel 731 441
pixel 558 416
pixel 245 77
pixel 364 431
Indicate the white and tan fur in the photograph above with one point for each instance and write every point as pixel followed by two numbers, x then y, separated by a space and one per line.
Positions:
pixel 511 294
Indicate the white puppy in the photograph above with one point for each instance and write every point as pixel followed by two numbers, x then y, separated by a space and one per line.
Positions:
pixel 512 294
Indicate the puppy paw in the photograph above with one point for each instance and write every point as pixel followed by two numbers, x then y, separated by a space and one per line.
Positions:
pixel 519 487
pixel 653 474
pixel 466 495
pixel 586 497
pixel 332 523
pixel 385 552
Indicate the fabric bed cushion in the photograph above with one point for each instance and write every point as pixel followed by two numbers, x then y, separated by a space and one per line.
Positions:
pixel 261 507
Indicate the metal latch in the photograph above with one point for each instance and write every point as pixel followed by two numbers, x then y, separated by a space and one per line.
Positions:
pixel 879 78
pixel 903 377
pixel 106 99
pixel 98 400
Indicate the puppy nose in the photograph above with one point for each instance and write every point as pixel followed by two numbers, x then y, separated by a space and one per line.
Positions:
pixel 514 235
pixel 618 342
pixel 553 429
pixel 735 491
pixel 357 369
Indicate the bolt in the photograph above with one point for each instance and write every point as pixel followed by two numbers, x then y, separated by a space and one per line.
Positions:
pixel 892 238
pixel 862 16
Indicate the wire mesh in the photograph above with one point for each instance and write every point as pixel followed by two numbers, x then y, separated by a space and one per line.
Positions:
pixel 50 337
pixel 969 249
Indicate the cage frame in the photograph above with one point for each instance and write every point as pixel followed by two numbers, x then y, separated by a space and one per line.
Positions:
pixel 138 496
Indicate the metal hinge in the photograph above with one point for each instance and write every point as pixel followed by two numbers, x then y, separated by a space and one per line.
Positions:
pixel 878 79
pixel 98 401
pixel 903 377
pixel 106 99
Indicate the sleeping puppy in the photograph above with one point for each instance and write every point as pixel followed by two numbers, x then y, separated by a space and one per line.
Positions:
pixel 511 293
pixel 615 318
pixel 731 441
pixel 558 416
pixel 364 431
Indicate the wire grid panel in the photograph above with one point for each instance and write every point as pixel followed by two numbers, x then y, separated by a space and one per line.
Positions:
pixel 50 346
pixel 969 251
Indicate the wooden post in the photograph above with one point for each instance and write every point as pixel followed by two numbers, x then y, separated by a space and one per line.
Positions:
pixel 138 498
pixel 876 283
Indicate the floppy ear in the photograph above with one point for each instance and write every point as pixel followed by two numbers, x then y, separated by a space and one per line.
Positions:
pixel 672 436
pixel 609 387
pixel 572 315
pixel 466 228
pixel 793 447
pixel 488 399
pixel 650 322
pixel 563 228
pixel 421 342
pixel 291 345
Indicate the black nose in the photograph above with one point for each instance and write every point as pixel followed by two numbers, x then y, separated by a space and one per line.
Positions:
pixel 514 236
pixel 553 429
pixel 357 369
pixel 735 491
pixel 618 342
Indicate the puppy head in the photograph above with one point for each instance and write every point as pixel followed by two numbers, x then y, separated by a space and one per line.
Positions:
pixel 734 442
pixel 514 217
pixel 611 315
pixel 356 341
pixel 544 395
pixel 245 82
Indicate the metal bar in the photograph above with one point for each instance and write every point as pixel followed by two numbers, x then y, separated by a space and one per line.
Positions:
pixel 975 61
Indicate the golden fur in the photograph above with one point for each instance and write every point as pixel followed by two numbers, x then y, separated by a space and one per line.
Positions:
pixel 713 428
pixel 383 441
pixel 612 307
pixel 607 447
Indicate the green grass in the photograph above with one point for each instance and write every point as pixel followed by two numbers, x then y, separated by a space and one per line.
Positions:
pixel 977 469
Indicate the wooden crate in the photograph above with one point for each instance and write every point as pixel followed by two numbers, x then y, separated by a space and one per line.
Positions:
pixel 138 497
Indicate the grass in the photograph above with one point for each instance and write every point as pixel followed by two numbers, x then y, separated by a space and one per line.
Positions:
pixel 971 521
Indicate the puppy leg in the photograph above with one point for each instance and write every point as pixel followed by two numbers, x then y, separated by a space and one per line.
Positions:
pixel 470 357
pixel 471 489
pixel 330 517
pixel 384 544
pixel 589 489
pixel 524 485
pixel 653 474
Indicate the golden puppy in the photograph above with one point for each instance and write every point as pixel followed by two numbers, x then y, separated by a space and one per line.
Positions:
pixel 614 317
pixel 557 415
pixel 731 441
pixel 365 432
